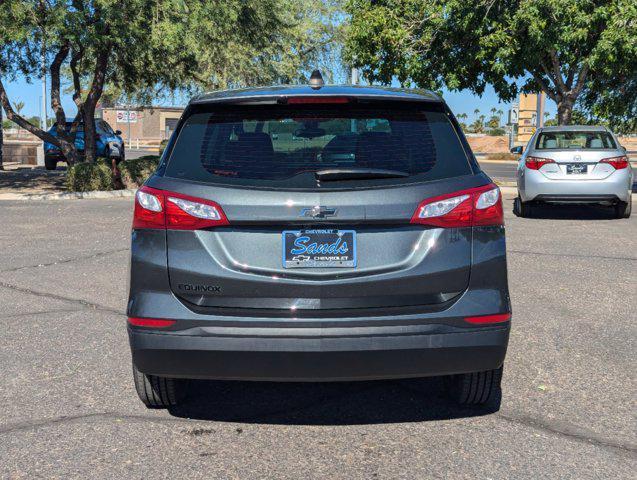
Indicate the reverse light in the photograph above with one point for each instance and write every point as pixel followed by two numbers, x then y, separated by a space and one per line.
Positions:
pixel 484 319
pixel 617 162
pixel 151 322
pixel 175 211
pixel 535 163
pixel 481 206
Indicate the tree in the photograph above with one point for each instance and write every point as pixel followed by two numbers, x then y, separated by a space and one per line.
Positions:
pixel 140 47
pixel 565 48
pixel 461 120
pixel 493 122
pixel 289 39
pixel 478 125
pixel 19 105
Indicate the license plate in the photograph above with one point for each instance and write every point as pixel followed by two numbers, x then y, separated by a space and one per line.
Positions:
pixel 576 168
pixel 319 248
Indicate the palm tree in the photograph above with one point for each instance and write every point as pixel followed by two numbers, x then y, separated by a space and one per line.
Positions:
pixel 18 106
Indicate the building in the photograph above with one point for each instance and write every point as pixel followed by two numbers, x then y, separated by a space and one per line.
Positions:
pixel 530 116
pixel 143 125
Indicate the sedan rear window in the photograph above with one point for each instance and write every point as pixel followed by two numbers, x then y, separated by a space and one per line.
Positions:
pixel 284 146
pixel 584 140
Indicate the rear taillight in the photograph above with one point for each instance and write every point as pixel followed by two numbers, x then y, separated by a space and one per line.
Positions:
pixel 535 163
pixel 479 206
pixel 617 162
pixel 175 211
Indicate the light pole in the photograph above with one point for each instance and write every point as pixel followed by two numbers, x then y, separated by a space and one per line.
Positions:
pixel 43 119
pixel 130 140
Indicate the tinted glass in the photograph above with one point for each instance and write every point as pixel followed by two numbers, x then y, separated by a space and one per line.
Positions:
pixel 283 146
pixel 106 127
pixel 575 140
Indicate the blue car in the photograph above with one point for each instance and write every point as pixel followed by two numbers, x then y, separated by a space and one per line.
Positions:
pixel 109 144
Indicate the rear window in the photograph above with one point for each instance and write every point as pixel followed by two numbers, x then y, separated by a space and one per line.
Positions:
pixel 585 140
pixel 283 146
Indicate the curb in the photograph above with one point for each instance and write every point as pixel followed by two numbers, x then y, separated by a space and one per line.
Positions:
pixel 68 196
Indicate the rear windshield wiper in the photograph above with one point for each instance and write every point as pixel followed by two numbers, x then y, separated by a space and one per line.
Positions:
pixel 333 174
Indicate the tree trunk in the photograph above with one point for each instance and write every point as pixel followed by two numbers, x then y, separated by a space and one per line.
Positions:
pixel 1 140
pixel 564 112
pixel 63 141
pixel 70 152
pixel 94 95
pixel 90 150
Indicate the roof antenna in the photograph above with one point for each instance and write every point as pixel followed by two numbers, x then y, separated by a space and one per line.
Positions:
pixel 316 80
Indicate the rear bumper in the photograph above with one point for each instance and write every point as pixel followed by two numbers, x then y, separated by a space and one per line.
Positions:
pixel 533 185
pixel 319 354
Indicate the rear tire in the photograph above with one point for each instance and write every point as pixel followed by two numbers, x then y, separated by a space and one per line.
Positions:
pixel 50 163
pixel 157 392
pixel 477 388
pixel 624 209
pixel 521 209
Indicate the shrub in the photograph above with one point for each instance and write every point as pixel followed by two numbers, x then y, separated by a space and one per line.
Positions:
pixel 85 177
pixel 162 146
pixel 135 172
pixel 496 132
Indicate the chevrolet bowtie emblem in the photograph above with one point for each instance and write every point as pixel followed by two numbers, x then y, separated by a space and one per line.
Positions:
pixel 318 212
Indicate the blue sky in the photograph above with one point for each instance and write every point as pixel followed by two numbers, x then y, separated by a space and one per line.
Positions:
pixel 459 102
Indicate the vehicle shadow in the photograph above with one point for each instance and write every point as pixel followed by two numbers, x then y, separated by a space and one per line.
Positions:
pixel 572 212
pixel 338 403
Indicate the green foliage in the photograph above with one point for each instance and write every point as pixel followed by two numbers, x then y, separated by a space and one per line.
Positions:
pixel 135 172
pixel 259 42
pixel 493 122
pixel 86 177
pixel 562 47
pixel 162 146
pixel 139 49
pixel 496 132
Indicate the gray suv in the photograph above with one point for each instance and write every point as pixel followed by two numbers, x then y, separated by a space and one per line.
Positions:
pixel 318 233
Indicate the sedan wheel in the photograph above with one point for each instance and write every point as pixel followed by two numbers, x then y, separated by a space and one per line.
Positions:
pixel 521 209
pixel 624 209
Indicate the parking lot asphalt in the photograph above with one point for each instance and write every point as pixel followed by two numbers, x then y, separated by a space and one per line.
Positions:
pixel 69 409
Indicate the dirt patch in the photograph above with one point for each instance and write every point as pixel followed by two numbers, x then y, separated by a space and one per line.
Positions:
pixel 488 144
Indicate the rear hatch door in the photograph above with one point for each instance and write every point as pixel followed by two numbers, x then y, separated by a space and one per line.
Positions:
pixel 283 248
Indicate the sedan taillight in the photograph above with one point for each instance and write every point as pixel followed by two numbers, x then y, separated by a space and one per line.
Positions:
pixel 175 211
pixel 535 163
pixel 617 162
pixel 480 206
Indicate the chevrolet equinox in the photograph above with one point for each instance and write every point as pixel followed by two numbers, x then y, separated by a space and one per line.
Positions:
pixel 318 233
